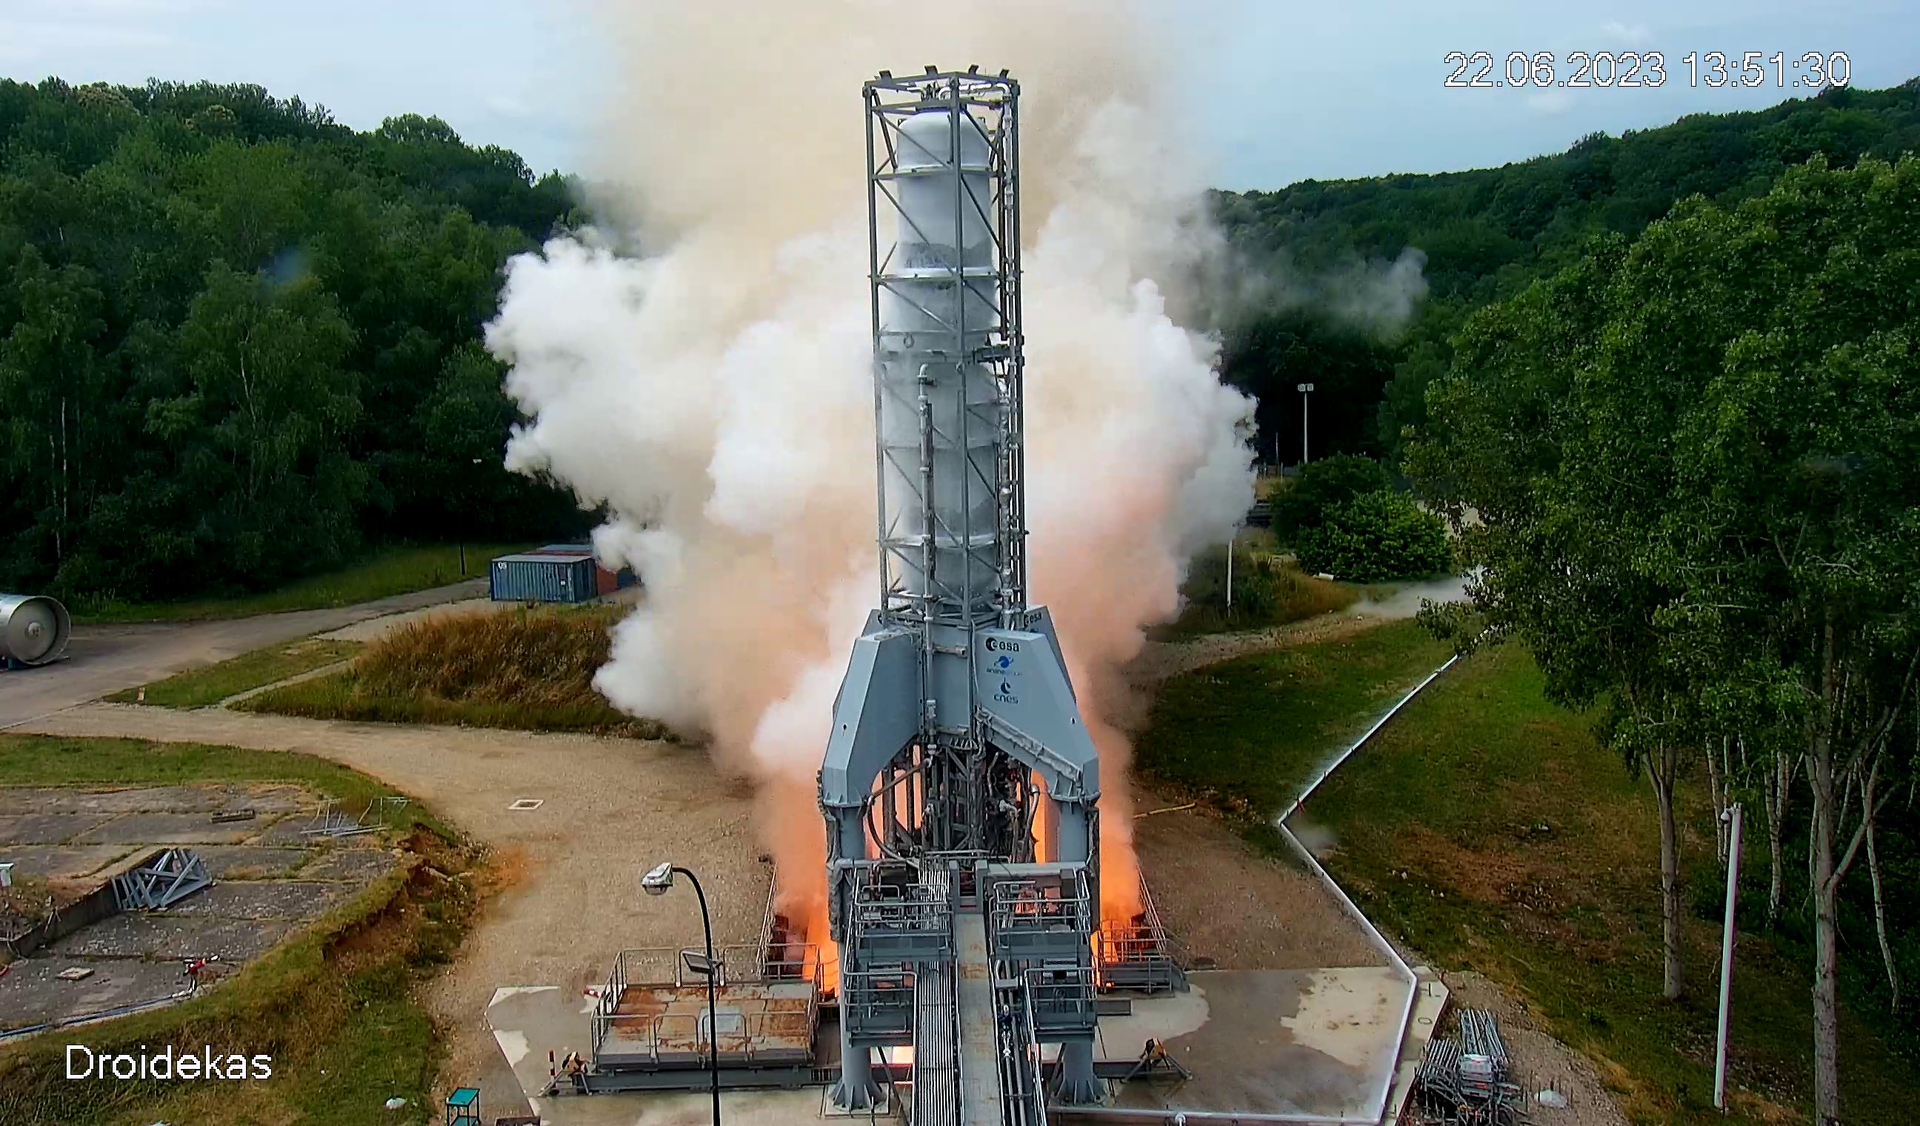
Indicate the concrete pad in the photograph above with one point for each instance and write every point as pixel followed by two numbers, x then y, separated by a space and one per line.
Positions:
pixel 30 994
pixel 167 829
pixel 48 828
pixel 206 797
pixel 170 938
pixel 1281 1042
pixel 264 899
pixel 529 1021
pixel 246 862
pixel 361 865
pixel 63 862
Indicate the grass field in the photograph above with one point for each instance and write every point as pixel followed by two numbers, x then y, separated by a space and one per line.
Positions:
pixel 527 669
pixel 393 570
pixel 1490 831
pixel 1248 734
pixel 198 688
pixel 334 1007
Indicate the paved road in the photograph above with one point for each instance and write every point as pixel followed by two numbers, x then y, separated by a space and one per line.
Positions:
pixel 107 658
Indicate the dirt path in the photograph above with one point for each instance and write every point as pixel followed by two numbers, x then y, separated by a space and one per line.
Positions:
pixel 612 808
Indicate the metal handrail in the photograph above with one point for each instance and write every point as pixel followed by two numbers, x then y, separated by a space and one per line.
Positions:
pixel 1061 990
pixel 740 965
pixel 691 1035
pixel 1042 905
pixel 875 992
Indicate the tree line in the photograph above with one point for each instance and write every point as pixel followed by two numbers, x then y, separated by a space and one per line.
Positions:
pixel 1686 468
pixel 1486 234
pixel 239 341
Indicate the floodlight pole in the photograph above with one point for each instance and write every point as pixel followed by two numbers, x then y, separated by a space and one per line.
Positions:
pixel 1726 956
pixel 1303 388
pixel 656 883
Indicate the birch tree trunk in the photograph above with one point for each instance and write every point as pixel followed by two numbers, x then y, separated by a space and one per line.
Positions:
pixel 1880 920
pixel 1662 767
pixel 1826 952
pixel 1779 787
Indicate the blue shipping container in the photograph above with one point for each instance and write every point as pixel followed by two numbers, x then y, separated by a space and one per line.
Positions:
pixel 543 578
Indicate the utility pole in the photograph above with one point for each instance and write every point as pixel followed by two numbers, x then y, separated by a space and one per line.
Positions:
pixel 1303 389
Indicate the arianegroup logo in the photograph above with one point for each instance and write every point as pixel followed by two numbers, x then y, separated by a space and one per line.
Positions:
pixel 85 1063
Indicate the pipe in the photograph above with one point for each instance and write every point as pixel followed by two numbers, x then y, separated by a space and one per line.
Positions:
pixel 1328 770
pixel 1366 925
pixel 1726 958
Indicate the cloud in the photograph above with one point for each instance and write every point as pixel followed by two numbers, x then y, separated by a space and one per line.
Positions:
pixel 1631 34
pixel 25 42
pixel 506 105
pixel 1550 102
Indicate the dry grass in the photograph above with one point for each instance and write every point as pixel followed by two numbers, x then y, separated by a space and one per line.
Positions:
pixel 529 669
pixel 1268 590
pixel 531 657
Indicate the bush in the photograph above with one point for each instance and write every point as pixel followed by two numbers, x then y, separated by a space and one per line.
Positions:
pixel 1266 592
pixel 1321 487
pixel 1376 536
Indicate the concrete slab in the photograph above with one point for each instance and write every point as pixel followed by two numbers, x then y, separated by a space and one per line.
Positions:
pixel 63 862
pixel 530 1021
pixel 166 937
pixel 247 862
pixel 265 797
pixel 48 828
pixel 30 994
pixel 168 829
pixel 291 900
pixel 1281 1042
pixel 363 865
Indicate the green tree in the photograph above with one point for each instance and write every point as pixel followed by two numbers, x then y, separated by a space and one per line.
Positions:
pixel 50 378
pixel 259 436
pixel 1376 537
pixel 1690 471
pixel 1322 486
pixel 1551 480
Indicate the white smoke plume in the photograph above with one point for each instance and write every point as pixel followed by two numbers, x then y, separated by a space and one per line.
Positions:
pixel 715 391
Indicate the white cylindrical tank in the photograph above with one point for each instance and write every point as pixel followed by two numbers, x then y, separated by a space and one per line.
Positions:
pixel 935 313
pixel 34 629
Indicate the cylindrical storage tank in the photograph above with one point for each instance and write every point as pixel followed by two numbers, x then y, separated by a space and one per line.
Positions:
pixel 935 313
pixel 34 629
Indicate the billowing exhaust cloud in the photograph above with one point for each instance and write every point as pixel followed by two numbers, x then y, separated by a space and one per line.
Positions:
pixel 702 367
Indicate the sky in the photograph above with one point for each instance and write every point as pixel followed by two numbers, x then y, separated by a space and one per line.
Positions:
pixel 1277 91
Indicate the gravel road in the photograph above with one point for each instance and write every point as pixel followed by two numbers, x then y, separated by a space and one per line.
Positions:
pixel 104 659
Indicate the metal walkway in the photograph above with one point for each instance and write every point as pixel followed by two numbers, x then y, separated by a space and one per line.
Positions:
pixel 936 1077
pixel 979 1023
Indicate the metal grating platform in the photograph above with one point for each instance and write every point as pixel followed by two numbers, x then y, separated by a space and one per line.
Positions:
pixel 652 1014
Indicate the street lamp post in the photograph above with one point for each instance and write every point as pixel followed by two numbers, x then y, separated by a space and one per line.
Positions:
pixel 656 882
pixel 1303 389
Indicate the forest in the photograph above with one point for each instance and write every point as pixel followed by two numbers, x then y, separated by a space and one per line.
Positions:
pixel 239 342
pixel 1486 234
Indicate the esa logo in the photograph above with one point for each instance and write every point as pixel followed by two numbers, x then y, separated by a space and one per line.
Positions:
pixel 1002 645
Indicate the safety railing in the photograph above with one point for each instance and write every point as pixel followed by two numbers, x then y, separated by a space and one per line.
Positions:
pixel 1138 953
pixel 1061 1000
pixel 685 1039
pixel 877 1006
pixel 1042 918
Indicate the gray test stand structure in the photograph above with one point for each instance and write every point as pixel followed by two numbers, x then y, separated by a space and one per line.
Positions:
pixel 959 783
